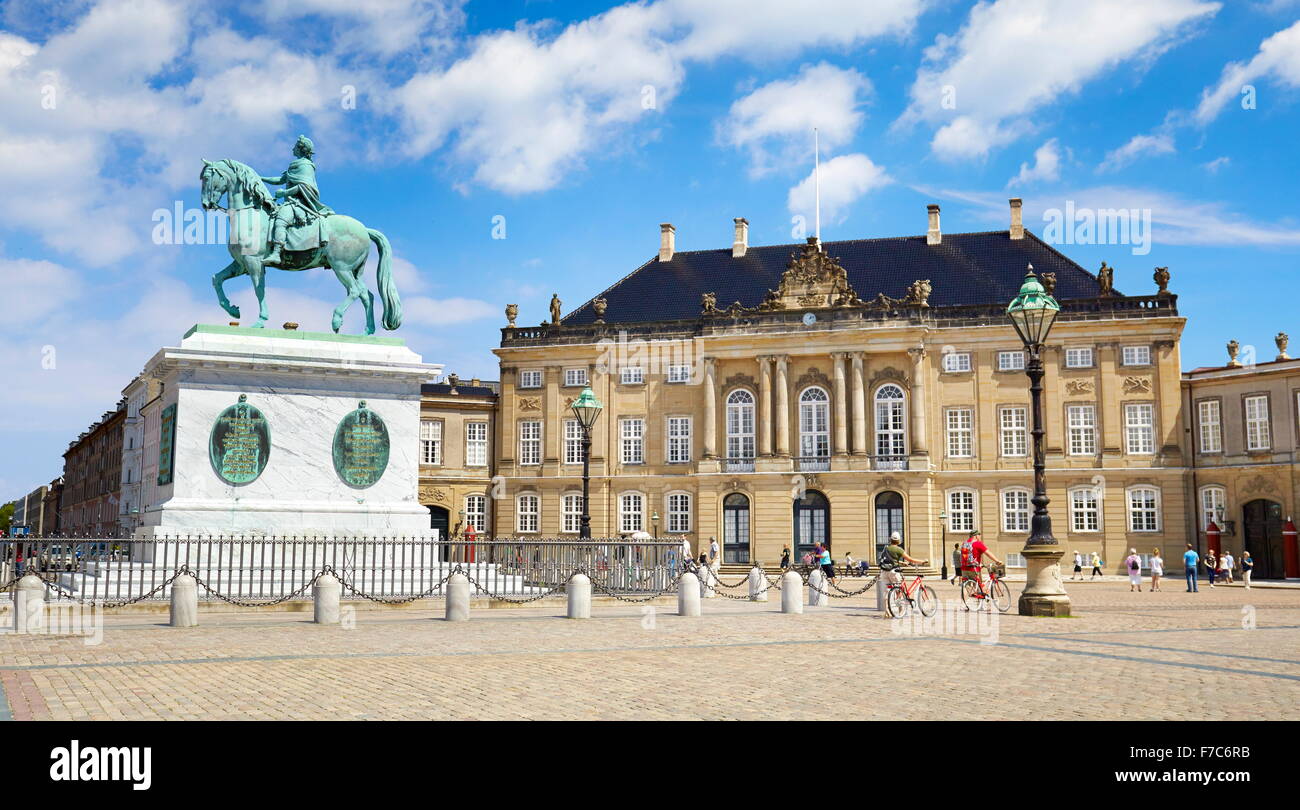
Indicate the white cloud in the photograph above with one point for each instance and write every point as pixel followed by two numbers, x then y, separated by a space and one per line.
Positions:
pixel 844 180
pixel 775 122
pixel 1047 166
pixel 1137 147
pixel 1218 163
pixel 424 313
pixel 384 27
pixel 1278 58
pixel 1013 56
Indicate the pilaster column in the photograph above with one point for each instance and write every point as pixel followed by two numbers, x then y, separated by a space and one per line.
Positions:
pixel 918 433
pixel 710 408
pixel 764 406
pixel 841 403
pixel 782 405
pixel 859 406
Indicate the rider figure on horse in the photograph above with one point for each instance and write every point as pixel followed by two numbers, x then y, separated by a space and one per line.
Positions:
pixel 302 203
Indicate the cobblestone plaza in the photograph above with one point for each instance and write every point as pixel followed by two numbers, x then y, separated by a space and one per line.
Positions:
pixel 1221 654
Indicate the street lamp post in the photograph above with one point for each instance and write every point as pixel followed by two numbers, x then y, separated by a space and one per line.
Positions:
pixel 654 519
pixel 586 408
pixel 1032 313
pixel 943 544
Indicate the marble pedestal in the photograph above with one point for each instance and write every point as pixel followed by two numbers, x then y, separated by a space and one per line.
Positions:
pixel 304 384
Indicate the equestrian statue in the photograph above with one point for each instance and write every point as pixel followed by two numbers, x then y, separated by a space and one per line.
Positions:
pixel 299 234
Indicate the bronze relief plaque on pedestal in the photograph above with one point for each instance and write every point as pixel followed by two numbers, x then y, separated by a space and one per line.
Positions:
pixel 240 443
pixel 361 448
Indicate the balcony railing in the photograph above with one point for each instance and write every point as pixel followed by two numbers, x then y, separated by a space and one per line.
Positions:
pixel 739 465
pixel 813 463
pixel 889 462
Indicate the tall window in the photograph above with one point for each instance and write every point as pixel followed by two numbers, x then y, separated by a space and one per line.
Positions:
pixel 476 512
pixel 960 421
pixel 1078 358
pixel 1143 509
pixel 1015 510
pixel 631 511
pixel 1012 424
pixel 1257 436
pixel 814 423
pixel 679 513
pixel 679 439
pixel 1139 428
pixel 961 510
pixel 890 439
pixel 528 513
pixel 1082 424
pixel 430 441
pixel 740 424
pixel 530 442
pixel 1084 516
pixel 1210 425
pixel 633 440
pixel 572 441
pixel 571 506
pixel 476 449
pixel 1213 499
pixel 1136 355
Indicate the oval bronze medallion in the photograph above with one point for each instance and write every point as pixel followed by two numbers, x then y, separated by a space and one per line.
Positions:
pixel 240 443
pixel 361 448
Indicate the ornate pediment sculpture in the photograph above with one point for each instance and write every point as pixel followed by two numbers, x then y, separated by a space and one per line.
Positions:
pixel 812 280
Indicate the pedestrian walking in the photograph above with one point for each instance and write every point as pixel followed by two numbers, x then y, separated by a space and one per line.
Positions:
pixel 713 549
pixel 1134 565
pixel 1078 566
pixel 1247 565
pixel 1211 565
pixel 956 562
pixel 823 559
pixel 1096 565
pixel 1226 564
pixel 1190 560
pixel 1157 568
pixel 785 558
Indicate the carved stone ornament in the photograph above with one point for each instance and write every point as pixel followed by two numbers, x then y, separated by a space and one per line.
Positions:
pixel 739 379
pixel 1282 340
pixel 1233 347
pixel 812 376
pixel 1079 386
pixel 530 403
pixel 813 280
pixel 1260 484
pixel 428 492
pixel 1161 276
pixel 1049 283
pixel 708 303
pixel 598 306
pixel 1137 385
pixel 889 374
pixel 919 293
pixel 512 312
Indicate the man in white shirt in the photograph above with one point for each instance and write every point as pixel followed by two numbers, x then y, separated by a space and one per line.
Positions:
pixel 1226 563
pixel 1078 566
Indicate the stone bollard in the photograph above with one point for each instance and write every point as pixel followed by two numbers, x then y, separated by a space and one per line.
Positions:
pixel 580 597
pixel 185 602
pixel 29 605
pixel 791 592
pixel 882 588
pixel 707 581
pixel 757 585
pixel 326 593
pixel 688 595
pixel 817 589
pixel 457 598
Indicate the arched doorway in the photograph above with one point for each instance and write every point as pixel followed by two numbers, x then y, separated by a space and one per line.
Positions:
pixel 735 528
pixel 812 522
pixel 440 519
pixel 1262 536
pixel 889 518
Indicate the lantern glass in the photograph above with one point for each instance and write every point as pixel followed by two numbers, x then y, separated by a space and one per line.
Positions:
pixel 587 408
pixel 1033 311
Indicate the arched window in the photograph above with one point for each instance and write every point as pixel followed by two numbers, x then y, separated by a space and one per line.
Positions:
pixel 740 430
pixel 814 429
pixel 528 513
pixel 572 509
pixel 1143 509
pixel 889 518
pixel 1214 500
pixel 735 528
pixel 891 440
pixel 1085 509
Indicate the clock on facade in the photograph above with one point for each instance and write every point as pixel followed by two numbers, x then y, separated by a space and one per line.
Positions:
pixel 809 319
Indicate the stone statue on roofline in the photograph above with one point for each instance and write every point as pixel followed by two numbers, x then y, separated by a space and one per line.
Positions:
pixel 555 309
pixel 708 303
pixel 1049 283
pixel 1106 281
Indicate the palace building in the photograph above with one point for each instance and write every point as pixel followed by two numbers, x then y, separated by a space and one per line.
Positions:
pixel 787 394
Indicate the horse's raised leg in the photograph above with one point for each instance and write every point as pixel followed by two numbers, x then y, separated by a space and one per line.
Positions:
pixel 258 277
pixel 347 277
pixel 367 299
pixel 219 284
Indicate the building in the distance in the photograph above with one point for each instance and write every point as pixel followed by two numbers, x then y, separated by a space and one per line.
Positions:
pixel 92 469
pixel 457 434
pixel 781 395
pixel 139 393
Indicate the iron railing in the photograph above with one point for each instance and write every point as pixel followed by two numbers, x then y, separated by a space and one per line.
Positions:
pixel 813 463
pixel 249 569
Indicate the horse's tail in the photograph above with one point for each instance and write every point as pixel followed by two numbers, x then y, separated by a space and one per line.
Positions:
pixel 387 290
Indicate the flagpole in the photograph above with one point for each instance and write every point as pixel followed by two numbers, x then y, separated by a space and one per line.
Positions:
pixel 817 184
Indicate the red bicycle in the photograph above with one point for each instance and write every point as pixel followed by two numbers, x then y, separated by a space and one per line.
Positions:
pixel 997 594
pixel 901 596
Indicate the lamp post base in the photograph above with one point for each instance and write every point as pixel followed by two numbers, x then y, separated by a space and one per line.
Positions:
pixel 1044 593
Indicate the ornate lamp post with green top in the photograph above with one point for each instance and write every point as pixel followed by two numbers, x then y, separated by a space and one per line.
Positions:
pixel 1032 313
pixel 587 410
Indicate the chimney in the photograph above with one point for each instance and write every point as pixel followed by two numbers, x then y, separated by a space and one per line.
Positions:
pixel 667 241
pixel 1017 226
pixel 741 245
pixel 932 234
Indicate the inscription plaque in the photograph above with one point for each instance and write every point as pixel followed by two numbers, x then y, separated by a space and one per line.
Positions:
pixel 167 444
pixel 240 443
pixel 361 448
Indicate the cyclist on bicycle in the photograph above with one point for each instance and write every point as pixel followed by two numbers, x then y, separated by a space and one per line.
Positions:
pixel 894 555
pixel 973 553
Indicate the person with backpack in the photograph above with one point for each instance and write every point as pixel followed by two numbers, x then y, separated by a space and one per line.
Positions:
pixel 892 557
pixel 973 554
pixel 1134 565
pixel 1096 565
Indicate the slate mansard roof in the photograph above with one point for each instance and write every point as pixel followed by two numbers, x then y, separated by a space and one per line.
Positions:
pixel 964 269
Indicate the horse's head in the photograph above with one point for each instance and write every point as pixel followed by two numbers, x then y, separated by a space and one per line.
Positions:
pixel 213 184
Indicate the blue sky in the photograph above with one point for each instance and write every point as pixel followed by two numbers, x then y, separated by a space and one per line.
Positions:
pixel 585 125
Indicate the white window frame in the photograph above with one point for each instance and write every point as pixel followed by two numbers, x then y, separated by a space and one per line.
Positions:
pixel 959 425
pixel 1016 516
pixel 1210 498
pixel 1011 361
pixel 476 512
pixel 677 434
pixel 572 441
pixel 677 505
pixel 956 362
pixel 1140 428
pixel 631 511
pixel 1147 513
pixel 476 446
pixel 1013 431
pixel 1209 422
pixel 1081 429
pixel 632 375
pixel 963 509
pixel 528 513
pixel 631 434
pixel 431 441
pixel 530 442
pixel 1074 353
pixel 679 373
pixel 571 513
pixel 527 374
pixel 740 424
pixel 1258 434
pixel 814 422
pixel 576 378
pixel 1085 514
pixel 1135 355
pixel 891 421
